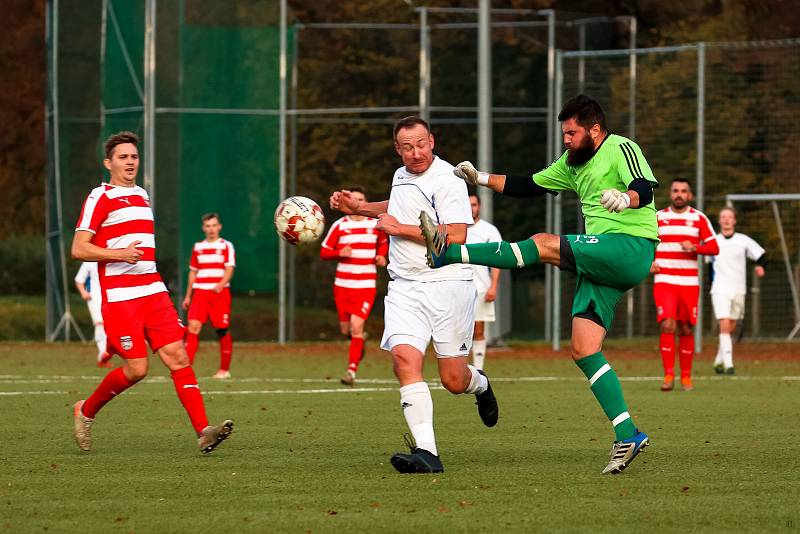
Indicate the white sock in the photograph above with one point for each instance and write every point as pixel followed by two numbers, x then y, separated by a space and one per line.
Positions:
pixel 478 383
pixel 417 404
pixel 478 353
pixel 718 358
pixel 100 339
pixel 726 348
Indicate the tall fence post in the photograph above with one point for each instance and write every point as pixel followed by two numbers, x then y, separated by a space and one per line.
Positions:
pixel 282 171
pixel 424 66
pixel 700 181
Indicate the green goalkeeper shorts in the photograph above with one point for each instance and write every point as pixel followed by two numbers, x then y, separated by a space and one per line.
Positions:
pixel 607 265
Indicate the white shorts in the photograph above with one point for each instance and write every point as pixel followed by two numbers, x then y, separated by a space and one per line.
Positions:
pixel 484 311
pixel 728 306
pixel 94 310
pixel 415 312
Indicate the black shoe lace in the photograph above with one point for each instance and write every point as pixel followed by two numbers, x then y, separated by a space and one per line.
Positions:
pixel 410 442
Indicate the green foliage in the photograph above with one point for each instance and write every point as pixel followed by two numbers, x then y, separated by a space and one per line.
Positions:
pixel 723 457
pixel 22 264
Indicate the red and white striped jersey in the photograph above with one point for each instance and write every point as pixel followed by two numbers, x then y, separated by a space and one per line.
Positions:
pixel 358 271
pixel 677 266
pixel 119 216
pixel 209 261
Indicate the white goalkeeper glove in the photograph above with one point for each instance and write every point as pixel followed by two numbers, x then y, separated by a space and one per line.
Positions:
pixel 467 172
pixel 614 200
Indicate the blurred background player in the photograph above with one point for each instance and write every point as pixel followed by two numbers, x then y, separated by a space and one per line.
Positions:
pixel 208 294
pixel 684 233
pixel 423 304
pixel 485 278
pixel 116 229
pixel 729 283
pixel 88 283
pixel 358 247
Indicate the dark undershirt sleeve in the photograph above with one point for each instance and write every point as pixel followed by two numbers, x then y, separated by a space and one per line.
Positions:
pixel 644 189
pixel 524 187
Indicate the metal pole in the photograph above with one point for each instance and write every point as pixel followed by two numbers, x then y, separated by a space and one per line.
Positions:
pixel 559 88
pixel 632 135
pixel 581 227
pixel 150 99
pixel 282 175
pixel 424 66
pixel 293 183
pixel 786 262
pixel 700 179
pixel 551 119
pixel 485 104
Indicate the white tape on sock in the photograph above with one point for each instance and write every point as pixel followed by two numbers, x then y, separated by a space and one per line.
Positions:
pixel 517 254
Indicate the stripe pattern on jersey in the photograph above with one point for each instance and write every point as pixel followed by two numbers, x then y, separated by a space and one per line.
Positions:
pixel 358 271
pixel 632 161
pixel 677 266
pixel 118 217
pixel 209 261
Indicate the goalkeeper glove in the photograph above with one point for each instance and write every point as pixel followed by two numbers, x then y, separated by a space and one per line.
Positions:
pixel 614 200
pixel 467 172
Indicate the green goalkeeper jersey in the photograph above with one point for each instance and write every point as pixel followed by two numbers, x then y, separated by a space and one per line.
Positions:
pixel 615 165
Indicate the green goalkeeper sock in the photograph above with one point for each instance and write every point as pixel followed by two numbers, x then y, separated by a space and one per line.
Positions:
pixel 608 392
pixel 504 255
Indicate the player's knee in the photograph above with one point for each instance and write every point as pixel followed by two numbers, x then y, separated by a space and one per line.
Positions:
pixel 454 382
pixel 135 373
pixel 667 326
pixel 194 327
pixel 221 332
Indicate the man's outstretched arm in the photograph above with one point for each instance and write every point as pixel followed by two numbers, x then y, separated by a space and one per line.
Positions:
pixel 506 184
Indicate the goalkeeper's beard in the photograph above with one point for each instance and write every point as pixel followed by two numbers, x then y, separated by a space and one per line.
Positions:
pixel 582 154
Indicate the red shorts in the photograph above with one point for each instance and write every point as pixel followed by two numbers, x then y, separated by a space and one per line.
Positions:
pixel 676 302
pixel 133 324
pixel 356 302
pixel 209 305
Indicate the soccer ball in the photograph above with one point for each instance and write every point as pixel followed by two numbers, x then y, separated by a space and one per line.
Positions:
pixel 299 220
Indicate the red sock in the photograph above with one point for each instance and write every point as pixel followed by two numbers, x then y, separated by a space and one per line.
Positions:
pixel 225 351
pixel 686 348
pixel 190 396
pixel 192 341
pixel 356 349
pixel 112 385
pixel 667 344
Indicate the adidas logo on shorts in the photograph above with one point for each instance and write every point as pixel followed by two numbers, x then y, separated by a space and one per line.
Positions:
pixel 463 346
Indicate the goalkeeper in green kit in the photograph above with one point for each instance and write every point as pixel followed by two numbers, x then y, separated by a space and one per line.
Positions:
pixel 615 185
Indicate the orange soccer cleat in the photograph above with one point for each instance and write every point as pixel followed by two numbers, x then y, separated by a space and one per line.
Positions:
pixel 669 383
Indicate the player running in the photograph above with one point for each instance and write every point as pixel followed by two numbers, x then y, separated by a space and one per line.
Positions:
pixel 422 303
pixel 116 230
pixel 684 233
pixel 208 293
pixel 485 279
pixel 358 247
pixel 87 274
pixel 615 186
pixel 729 284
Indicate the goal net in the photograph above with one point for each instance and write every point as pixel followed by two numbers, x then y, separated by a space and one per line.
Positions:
pixel 773 302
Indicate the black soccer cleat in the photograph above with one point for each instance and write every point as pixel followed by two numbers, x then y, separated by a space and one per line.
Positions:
pixel 487 404
pixel 418 461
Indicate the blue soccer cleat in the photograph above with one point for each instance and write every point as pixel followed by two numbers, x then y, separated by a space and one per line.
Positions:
pixel 435 241
pixel 624 451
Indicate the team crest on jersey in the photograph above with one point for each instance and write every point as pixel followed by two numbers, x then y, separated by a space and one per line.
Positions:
pixel 126 342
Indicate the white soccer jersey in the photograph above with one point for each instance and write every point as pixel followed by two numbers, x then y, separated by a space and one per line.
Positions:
pixel 482 232
pixel 88 271
pixel 444 197
pixel 730 266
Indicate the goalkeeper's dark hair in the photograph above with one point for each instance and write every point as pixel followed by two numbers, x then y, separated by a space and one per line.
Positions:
pixel 120 138
pixel 358 189
pixel 409 122
pixel 209 216
pixel 586 110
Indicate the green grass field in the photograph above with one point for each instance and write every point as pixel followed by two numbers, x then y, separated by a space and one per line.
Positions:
pixel 310 456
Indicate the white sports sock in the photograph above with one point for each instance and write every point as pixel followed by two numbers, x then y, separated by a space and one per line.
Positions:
pixel 100 339
pixel 478 383
pixel 478 353
pixel 417 404
pixel 726 348
pixel 718 358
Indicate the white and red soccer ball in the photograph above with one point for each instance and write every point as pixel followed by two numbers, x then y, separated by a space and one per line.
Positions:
pixel 299 220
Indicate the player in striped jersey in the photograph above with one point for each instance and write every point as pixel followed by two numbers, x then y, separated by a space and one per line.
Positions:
pixel 116 230
pixel 358 247
pixel 684 233
pixel 208 294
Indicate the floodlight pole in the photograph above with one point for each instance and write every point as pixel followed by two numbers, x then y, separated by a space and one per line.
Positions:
pixel 632 135
pixel 485 104
pixel 282 175
pixel 149 122
pixel 551 119
pixel 424 66
pixel 556 129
